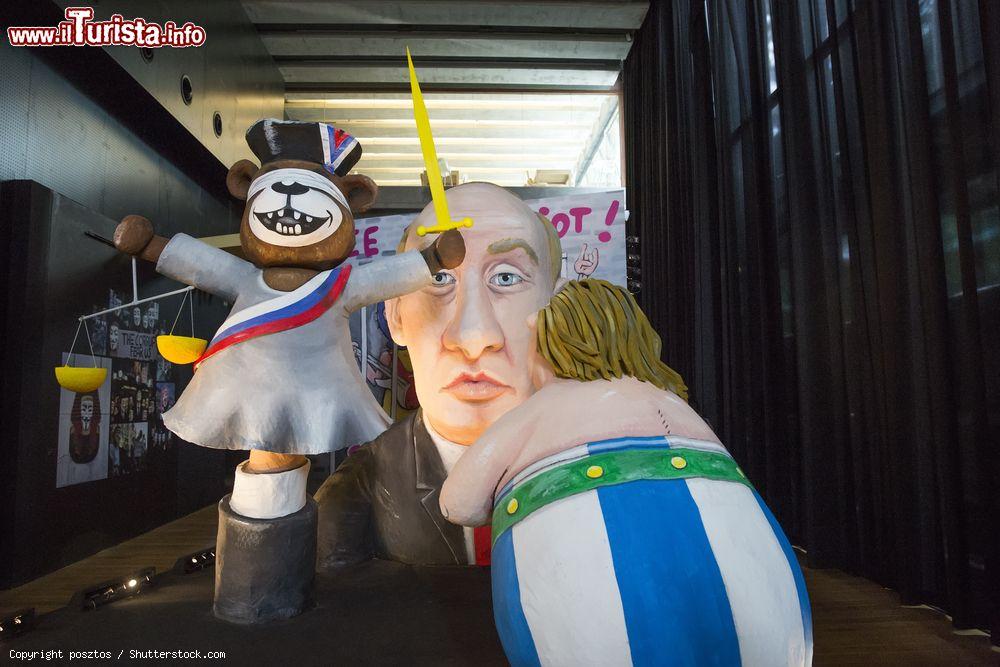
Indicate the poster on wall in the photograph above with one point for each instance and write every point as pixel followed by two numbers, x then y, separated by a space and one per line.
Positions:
pixel 131 391
pixel 591 229
pixel 143 388
pixel 84 430
pixel 133 329
pixel 128 448
pixel 387 368
pixel 165 397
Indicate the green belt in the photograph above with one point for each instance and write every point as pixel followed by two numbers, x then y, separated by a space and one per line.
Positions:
pixel 607 469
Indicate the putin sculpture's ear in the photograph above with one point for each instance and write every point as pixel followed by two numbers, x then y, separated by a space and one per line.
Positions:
pixel 395 323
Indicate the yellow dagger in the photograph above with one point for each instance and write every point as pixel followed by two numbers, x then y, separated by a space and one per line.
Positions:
pixel 444 221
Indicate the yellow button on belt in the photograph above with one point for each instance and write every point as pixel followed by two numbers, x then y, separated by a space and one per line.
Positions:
pixel 593 472
pixel 678 462
pixel 512 506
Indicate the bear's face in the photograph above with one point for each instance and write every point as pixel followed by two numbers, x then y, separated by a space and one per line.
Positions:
pixel 297 213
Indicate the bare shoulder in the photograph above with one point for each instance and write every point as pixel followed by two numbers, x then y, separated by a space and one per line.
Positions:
pixel 680 418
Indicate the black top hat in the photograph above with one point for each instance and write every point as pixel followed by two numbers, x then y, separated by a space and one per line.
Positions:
pixel 272 139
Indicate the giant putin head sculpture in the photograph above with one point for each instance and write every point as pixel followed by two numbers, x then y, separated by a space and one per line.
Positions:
pixel 466 333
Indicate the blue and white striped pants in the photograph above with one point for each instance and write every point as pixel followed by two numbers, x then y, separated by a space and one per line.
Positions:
pixel 652 572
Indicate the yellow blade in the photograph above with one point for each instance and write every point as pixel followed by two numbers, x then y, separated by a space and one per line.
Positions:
pixel 427 148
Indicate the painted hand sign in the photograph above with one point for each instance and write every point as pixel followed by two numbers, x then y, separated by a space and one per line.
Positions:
pixel 586 262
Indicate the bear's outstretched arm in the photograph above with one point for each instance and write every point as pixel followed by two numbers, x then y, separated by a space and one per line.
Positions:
pixel 134 236
pixel 402 273
pixel 184 258
pixel 208 268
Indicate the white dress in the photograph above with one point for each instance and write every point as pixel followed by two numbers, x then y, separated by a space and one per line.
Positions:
pixel 297 391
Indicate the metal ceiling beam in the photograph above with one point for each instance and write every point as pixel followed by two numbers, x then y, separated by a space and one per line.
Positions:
pixel 526 144
pixel 417 162
pixel 411 30
pixel 351 44
pixel 333 75
pixel 447 134
pixel 454 62
pixel 327 89
pixel 400 199
pixel 319 114
pixel 491 99
pixel 416 157
pixel 602 14
pixel 500 147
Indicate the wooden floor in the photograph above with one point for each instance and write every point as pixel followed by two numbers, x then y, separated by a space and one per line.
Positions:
pixel 855 622
pixel 160 547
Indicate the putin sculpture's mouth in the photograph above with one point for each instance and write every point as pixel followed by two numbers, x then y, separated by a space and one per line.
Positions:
pixel 475 387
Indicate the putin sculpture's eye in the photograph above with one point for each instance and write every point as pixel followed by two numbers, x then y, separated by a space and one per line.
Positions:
pixel 505 279
pixel 441 279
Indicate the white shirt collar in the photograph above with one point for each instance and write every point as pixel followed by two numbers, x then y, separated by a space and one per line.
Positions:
pixel 449 451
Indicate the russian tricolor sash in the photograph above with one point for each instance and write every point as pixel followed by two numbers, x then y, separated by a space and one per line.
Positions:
pixel 281 313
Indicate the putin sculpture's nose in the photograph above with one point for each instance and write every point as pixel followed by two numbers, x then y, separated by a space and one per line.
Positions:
pixel 474 327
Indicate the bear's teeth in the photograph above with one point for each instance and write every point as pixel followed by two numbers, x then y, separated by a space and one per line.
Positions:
pixel 298 229
pixel 270 215
pixel 297 215
pixel 281 228
pixel 308 219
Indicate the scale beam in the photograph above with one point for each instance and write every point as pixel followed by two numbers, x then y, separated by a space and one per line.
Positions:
pixel 135 302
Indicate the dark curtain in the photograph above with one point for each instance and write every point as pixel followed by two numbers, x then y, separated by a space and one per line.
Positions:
pixel 814 186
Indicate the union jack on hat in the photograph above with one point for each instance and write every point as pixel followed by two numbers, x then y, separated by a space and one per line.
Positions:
pixel 271 139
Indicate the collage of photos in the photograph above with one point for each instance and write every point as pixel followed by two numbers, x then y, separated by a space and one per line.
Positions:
pixel 142 387
pixel 131 410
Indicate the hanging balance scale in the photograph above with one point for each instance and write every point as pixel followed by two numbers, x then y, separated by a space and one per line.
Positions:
pixel 181 349
pixel 175 349
pixel 81 379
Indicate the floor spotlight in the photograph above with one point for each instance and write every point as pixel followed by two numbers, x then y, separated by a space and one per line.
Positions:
pixel 199 560
pixel 114 590
pixel 17 624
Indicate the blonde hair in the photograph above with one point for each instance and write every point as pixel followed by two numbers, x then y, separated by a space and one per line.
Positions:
pixel 593 329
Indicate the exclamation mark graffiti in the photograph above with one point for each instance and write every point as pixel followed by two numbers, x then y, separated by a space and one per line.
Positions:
pixel 609 220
